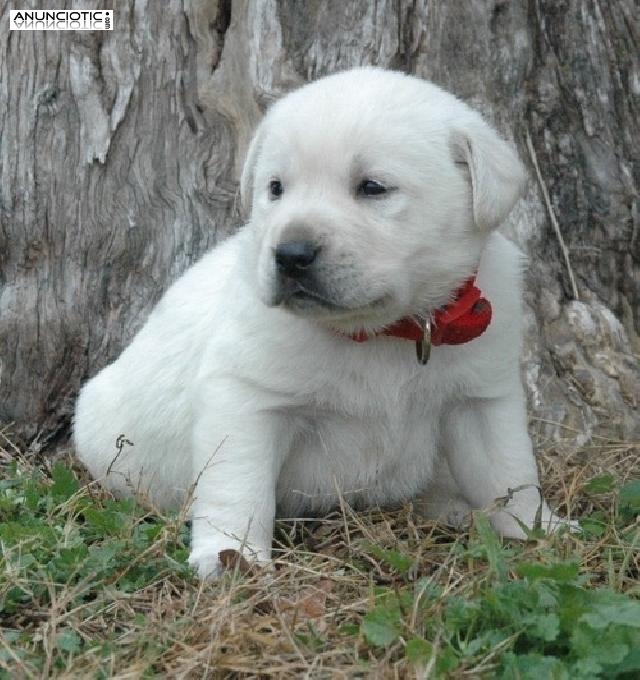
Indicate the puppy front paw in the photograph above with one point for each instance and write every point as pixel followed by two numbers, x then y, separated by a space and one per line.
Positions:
pixel 509 524
pixel 212 561
pixel 552 523
pixel 207 563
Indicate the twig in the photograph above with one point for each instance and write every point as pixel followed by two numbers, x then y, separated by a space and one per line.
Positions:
pixel 552 217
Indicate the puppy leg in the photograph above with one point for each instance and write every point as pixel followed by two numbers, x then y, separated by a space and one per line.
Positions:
pixel 490 457
pixel 237 458
pixel 442 500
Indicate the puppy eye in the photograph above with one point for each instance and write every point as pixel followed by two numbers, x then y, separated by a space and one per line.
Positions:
pixel 275 189
pixel 369 187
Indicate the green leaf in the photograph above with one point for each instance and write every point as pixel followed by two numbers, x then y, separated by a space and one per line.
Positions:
pixel 601 484
pixel 426 589
pixel 629 500
pixel 592 526
pixel 68 640
pixel 625 613
pixel 533 667
pixel 461 612
pixel 491 543
pixel 419 651
pixel 393 558
pixel 631 662
pixel 446 662
pixel 65 483
pixel 381 626
pixel 11 634
pixel 544 626
pixel 487 641
pixel 595 649
pixel 70 558
pixel 565 572
pixel 105 521
pixel 105 556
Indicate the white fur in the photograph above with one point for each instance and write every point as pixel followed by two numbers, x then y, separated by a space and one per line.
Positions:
pixel 269 406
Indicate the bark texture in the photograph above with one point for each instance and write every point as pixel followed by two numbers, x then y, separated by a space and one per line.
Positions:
pixel 120 154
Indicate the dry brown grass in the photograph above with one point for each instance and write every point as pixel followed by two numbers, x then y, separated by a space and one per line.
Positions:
pixel 304 617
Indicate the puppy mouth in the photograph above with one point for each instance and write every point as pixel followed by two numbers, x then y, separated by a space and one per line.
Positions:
pixel 298 298
pixel 295 296
pixel 303 298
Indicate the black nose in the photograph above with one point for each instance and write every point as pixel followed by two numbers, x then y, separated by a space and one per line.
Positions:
pixel 293 257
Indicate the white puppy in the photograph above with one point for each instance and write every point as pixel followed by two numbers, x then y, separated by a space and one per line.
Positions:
pixel 373 198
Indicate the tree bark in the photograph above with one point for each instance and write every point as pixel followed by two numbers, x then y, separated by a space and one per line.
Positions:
pixel 120 154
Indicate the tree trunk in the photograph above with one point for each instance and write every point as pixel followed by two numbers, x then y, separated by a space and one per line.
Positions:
pixel 120 153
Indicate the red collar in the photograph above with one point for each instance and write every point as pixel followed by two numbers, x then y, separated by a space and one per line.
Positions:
pixel 462 320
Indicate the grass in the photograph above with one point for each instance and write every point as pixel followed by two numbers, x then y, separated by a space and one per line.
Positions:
pixel 95 587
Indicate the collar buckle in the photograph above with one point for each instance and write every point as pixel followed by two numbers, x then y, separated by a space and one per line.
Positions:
pixel 423 346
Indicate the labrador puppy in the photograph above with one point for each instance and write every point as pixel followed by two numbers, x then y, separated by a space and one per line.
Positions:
pixel 358 339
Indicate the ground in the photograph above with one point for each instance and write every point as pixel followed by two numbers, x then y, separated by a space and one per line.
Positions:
pixel 94 587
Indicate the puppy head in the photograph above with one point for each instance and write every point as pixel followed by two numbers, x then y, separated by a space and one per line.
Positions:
pixel 371 196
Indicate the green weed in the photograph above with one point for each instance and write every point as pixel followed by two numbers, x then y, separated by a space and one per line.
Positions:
pixel 91 586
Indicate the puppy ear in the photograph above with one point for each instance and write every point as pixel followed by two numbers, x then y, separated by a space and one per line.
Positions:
pixel 248 170
pixel 498 178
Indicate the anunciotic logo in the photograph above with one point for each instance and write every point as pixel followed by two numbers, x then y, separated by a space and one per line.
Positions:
pixel 61 20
